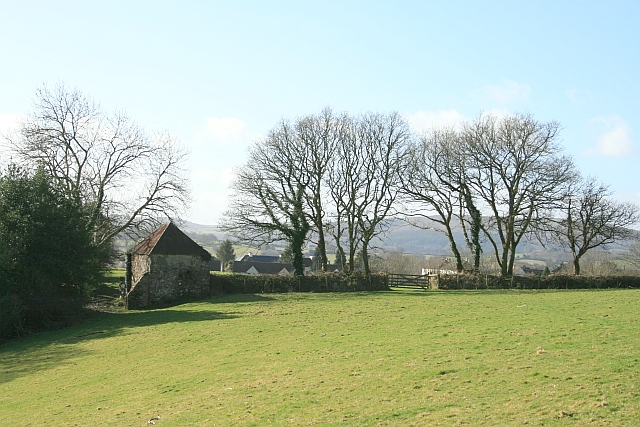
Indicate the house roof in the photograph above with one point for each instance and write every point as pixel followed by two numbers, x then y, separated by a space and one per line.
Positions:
pixel 169 240
pixel 530 271
pixel 307 262
pixel 259 258
pixel 261 267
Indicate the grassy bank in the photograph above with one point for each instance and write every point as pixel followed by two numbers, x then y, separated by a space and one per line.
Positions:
pixel 387 358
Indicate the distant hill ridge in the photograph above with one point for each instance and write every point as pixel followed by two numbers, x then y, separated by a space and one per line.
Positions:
pixel 400 237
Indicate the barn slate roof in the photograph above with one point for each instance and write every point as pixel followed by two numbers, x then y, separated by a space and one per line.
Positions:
pixel 169 240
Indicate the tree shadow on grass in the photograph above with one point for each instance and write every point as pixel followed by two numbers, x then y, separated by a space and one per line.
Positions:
pixel 47 350
pixel 232 298
pixel 44 355
pixel 115 323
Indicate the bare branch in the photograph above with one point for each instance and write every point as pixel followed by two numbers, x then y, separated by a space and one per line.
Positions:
pixel 126 181
pixel 592 219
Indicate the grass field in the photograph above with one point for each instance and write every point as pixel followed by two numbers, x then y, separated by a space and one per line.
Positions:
pixel 398 358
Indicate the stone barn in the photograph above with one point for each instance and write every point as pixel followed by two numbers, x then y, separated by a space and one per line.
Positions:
pixel 165 267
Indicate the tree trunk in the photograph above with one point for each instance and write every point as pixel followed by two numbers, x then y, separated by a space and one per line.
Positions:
pixel 296 247
pixel 576 266
pixel 341 258
pixel 321 250
pixel 476 226
pixel 504 265
pixel 459 264
pixel 352 249
pixel 512 260
pixel 365 259
pixel 454 249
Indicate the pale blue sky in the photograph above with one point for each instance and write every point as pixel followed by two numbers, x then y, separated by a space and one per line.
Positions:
pixel 220 74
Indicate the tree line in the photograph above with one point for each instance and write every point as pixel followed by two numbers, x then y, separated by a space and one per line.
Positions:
pixel 78 176
pixel 338 179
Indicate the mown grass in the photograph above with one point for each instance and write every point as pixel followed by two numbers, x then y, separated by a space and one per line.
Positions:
pixel 395 358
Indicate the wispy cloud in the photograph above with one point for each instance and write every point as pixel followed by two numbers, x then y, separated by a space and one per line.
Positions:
pixel 424 120
pixel 211 191
pixel 613 137
pixel 225 130
pixel 506 93
pixel 578 97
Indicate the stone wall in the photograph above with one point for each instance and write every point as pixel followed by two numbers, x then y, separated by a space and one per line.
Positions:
pixel 140 265
pixel 162 279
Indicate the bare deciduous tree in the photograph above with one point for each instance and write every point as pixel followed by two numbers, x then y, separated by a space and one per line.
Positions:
pixel 592 219
pixel 597 263
pixel 293 162
pixel 516 168
pixel 319 136
pixel 434 185
pixel 125 180
pixel 383 138
pixel 343 182
pixel 365 180
pixel 632 254
pixel 268 198
pixel 397 263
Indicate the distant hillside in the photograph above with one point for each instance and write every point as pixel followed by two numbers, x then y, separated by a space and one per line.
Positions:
pixel 401 237
pixel 426 240
pixel 192 227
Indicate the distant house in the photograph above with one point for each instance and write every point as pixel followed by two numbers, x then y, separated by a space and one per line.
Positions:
pixel 528 271
pixel 267 259
pixel 259 258
pixel 432 271
pixel 165 267
pixel 253 267
pixel 333 268
pixel 440 266
pixel 215 264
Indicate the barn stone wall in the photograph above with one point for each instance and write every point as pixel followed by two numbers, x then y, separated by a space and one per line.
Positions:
pixel 162 279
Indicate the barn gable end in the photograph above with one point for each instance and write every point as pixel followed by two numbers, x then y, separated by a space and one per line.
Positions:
pixel 166 267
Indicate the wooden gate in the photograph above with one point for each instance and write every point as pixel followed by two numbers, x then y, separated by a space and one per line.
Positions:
pixel 410 281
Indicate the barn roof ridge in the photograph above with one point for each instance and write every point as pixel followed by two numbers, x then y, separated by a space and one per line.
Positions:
pixel 168 239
